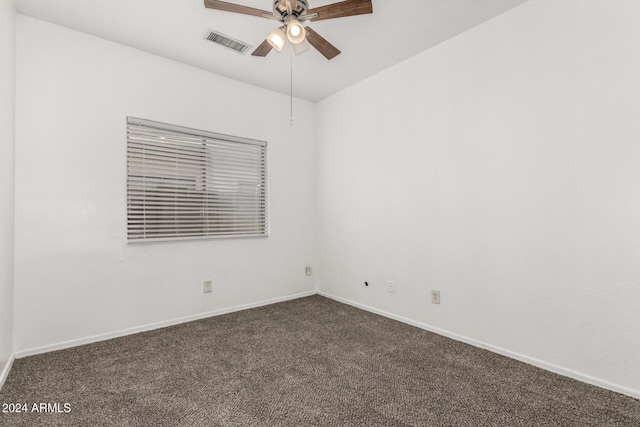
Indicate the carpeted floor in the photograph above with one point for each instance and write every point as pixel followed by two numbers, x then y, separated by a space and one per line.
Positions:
pixel 311 361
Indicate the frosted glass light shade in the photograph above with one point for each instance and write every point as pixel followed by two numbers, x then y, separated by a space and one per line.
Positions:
pixel 295 31
pixel 277 38
pixel 301 47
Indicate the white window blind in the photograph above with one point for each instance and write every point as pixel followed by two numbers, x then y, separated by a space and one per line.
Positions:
pixel 184 183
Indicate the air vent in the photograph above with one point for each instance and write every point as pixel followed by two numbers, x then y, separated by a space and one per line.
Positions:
pixel 228 42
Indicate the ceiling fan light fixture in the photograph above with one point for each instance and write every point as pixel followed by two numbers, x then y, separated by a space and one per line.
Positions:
pixel 277 38
pixel 295 31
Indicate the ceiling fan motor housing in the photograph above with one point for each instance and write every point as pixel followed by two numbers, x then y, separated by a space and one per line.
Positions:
pixel 301 7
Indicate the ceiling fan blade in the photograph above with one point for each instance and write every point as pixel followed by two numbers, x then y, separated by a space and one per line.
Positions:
pixel 324 47
pixel 263 49
pixel 342 9
pixel 232 7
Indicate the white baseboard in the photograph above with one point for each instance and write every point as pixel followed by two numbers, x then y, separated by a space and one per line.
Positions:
pixel 149 327
pixel 5 371
pixel 504 352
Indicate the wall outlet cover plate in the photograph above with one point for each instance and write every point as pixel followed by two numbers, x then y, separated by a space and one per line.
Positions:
pixel 208 286
pixel 435 297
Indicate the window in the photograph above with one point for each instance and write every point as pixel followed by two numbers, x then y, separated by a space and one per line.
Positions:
pixel 184 183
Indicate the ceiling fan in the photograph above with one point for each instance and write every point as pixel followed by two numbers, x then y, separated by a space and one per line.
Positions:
pixel 292 14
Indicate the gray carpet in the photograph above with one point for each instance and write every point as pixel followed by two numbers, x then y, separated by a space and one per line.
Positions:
pixel 311 361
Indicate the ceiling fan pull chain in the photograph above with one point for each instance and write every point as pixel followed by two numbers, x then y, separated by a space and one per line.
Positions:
pixel 291 89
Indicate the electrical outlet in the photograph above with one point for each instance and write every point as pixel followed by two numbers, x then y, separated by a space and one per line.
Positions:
pixel 391 286
pixel 435 297
pixel 208 286
pixel 308 270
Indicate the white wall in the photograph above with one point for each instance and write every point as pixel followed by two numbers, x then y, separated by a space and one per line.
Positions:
pixel 7 86
pixel 503 168
pixel 75 275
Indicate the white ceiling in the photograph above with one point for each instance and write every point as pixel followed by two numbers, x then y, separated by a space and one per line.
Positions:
pixel 370 43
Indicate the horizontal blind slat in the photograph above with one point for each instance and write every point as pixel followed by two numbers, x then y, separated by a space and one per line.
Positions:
pixel 211 154
pixel 196 145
